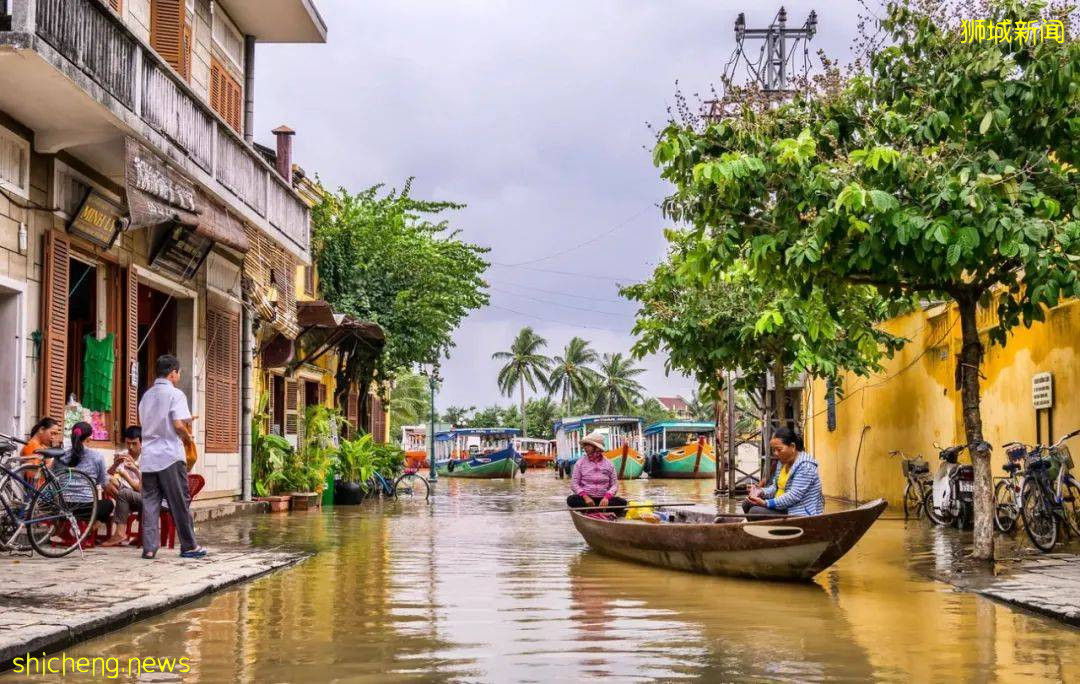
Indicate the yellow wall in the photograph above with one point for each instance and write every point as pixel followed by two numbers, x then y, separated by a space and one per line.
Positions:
pixel 913 402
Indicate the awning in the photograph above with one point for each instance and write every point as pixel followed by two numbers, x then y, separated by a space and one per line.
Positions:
pixel 318 315
pixel 158 195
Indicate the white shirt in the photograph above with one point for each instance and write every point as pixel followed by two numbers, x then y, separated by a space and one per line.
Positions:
pixel 160 406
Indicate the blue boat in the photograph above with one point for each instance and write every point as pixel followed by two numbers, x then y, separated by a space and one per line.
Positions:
pixel 682 449
pixel 623 443
pixel 481 453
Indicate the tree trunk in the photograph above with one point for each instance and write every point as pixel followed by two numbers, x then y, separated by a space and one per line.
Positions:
pixel 968 364
pixel 522 385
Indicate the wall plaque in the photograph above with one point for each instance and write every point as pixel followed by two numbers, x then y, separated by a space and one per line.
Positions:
pixel 98 220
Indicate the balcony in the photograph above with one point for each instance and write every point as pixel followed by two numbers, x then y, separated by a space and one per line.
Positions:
pixel 71 71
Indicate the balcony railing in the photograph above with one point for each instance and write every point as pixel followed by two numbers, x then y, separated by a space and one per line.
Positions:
pixel 91 37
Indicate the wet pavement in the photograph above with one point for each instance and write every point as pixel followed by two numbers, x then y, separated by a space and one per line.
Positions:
pixel 480 585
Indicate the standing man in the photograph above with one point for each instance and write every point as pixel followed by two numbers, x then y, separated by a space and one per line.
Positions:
pixel 166 422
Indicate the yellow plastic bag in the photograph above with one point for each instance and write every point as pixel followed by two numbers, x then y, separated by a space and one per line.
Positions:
pixel 643 508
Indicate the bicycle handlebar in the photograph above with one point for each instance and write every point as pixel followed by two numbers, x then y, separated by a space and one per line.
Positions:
pixel 12 439
pixel 1066 438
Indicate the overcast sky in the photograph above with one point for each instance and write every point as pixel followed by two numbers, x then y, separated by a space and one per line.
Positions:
pixel 533 114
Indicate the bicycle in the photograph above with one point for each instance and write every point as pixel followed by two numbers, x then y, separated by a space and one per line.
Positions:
pixel 917 473
pixel 410 484
pixel 1008 490
pixel 33 511
pixel 1050 495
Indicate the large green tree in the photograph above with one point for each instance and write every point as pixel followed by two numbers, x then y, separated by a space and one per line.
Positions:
pixel 525 365
pixel 458 416
pixel 572 373
pixel 410 402
pixel 616 389
pixel 940 169
pixel 390 258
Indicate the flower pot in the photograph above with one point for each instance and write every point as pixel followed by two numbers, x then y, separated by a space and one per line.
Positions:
pixel 347 493
pixel 305 501
pixel 278 504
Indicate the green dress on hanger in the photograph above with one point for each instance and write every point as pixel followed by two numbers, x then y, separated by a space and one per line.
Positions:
pixel 98 363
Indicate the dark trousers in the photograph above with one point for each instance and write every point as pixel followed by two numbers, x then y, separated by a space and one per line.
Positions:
pixel 102 514
pixel 578 501
pixel 748 507
pixel 171 485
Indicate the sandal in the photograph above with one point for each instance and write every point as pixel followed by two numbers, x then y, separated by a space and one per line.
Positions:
pixel 149 555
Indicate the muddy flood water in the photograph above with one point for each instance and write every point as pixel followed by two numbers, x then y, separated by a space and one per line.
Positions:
pixel 480 586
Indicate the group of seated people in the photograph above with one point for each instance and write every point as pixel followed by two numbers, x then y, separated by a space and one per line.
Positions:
pixel 120 482
pixel 793 490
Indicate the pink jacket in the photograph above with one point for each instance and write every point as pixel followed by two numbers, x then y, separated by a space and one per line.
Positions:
pixel 597 479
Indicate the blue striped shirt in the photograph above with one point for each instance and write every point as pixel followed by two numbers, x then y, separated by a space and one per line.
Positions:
pixel 802 495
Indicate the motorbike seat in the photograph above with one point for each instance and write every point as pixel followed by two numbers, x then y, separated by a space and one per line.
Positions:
pixel 1011 467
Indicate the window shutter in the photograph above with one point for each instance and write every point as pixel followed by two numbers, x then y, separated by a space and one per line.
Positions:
pixel 222 380
pixel 167 31
pixel 291 408
pixel 378 420
pixel 55 323
pixel 271 387
pixel 185 52
pixel 115 4
pixel 352 411
pixel 226 95
pixel 322 394
pixel 215 85
pixel 131 347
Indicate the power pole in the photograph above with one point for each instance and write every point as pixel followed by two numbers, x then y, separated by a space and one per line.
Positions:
pixel 776 59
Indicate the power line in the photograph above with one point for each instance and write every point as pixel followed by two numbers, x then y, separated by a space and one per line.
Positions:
pixel 587 242
pixel 552 320
pixel 563 294
pixel 565 273
pixel 568 306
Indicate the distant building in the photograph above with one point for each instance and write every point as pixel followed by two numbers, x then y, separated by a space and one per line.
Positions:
pixel 677 406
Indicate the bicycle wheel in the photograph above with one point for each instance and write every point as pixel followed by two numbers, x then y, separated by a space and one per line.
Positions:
pixel 1039 519
pixel 913 505
pixel 937 517
pixel 51 514
pixel 16 493
pixel 411 485
pixel 1070 502
pixel 1005 508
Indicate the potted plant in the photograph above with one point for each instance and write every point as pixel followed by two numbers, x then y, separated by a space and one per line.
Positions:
pixel 269 457
pixel 356 464
pixel 314 459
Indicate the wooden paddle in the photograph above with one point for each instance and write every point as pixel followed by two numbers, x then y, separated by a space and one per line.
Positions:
pixel 605 508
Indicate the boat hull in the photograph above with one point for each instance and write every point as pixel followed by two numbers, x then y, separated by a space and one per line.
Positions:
pixel 635 463
pixel 782 549
pixel 535 460
pixel 416 459
pixel 680 464
pixel 502 464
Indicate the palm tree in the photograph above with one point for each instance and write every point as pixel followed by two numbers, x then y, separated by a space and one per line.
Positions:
pixel 616 390
pixel 701 408
pixel 571 374
pixel 410 400
pixel 524 365
pixel 543 413
pixel 458 416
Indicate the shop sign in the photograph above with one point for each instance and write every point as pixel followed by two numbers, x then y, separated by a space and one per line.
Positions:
pixel 98 220
pixel 1042 391
pixel 181 251
pixel 156 193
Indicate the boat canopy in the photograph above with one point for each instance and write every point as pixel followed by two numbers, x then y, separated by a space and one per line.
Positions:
pixel 477 432
pixel 587 422
pixel 680 426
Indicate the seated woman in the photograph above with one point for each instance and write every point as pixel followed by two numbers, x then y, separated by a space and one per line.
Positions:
pixel 78 492
pixel 47 434
pixel 795 488
pixel 594 482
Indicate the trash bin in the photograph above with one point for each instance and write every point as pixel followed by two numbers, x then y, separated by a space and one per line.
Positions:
pixel 328 490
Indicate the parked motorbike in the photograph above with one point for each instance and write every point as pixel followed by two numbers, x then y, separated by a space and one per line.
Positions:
pixel 953 491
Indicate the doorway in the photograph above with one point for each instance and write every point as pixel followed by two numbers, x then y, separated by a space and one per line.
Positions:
pixel 158 320
pixel 11 390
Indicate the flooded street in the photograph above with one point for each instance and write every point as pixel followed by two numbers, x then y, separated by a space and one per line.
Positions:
pixel 481 586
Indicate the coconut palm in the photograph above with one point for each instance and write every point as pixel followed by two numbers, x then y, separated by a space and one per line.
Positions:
pixel 525 365
pixel 458 416
pixel 701 408
pixel 616 390
pixel 410 401
pixel 571 374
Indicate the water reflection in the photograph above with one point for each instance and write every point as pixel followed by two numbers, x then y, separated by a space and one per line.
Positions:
pixel 482 585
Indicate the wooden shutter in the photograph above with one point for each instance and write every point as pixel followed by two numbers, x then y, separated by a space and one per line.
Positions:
pixel 131 347
pixel 55 324
pixel 168 19
pixel 226 95
pixel 115 4
pixel 291 408
pixel 322 394
pixel 271 379
pixel 378 420
pixel 352 411
pixel 222 380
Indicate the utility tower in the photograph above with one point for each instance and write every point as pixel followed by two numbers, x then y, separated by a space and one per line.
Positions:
pixel 776 60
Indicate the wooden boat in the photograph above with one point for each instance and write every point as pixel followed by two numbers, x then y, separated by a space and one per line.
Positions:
pixel 681 449
pixel 414 444
pixel 794 548
pixel 536 453
pixel 483 453
pixel 622 439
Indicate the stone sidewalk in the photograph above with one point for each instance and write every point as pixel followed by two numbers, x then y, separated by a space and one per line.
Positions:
pixel 46 604
pixel 1048 584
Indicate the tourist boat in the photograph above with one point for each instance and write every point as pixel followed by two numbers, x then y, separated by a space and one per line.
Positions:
pixel 681 449
pixel 793 548
pixel 414 444
pixel 536 453
pixel 477 452
pixel 623 443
